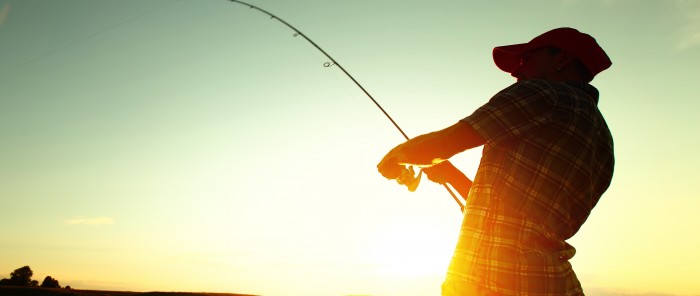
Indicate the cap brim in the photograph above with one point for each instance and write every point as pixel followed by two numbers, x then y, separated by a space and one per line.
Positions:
pixel 507 58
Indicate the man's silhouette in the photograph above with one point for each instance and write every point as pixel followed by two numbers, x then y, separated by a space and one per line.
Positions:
pixel 547 159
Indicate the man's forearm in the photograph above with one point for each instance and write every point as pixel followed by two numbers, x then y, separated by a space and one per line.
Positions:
pixel 461 184
pixel 429 149
pixel 435 147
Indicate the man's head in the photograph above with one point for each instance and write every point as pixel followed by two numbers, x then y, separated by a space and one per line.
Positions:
pixel 560 54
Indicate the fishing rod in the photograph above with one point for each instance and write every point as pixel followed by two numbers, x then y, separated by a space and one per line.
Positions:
pixel 407 177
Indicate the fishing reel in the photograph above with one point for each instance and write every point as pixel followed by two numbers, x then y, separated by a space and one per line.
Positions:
pixel 409 178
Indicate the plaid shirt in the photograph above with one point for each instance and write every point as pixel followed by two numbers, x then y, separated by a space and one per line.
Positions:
pixel 548 159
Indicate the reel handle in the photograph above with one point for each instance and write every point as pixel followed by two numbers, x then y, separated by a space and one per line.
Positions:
pixel 409 178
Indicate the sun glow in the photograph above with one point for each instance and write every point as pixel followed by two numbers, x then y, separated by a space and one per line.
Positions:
pixel 411 250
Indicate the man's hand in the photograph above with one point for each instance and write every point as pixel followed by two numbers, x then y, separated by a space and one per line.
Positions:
pixel 445 172
pixel 442 173
pixel 430 150
pixel 390 168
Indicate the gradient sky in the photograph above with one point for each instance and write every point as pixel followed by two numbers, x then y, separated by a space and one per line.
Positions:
pixel 196 145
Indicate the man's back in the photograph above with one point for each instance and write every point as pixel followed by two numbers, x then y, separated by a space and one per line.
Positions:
pixel 547 160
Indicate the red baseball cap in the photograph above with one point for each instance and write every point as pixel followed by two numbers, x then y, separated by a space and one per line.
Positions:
pixel 582 46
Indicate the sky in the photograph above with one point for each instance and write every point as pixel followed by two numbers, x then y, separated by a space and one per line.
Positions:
pixel 197 145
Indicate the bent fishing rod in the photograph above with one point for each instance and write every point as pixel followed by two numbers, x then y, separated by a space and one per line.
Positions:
pixel 405 179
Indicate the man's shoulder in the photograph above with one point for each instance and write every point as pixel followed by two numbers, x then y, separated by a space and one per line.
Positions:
pixel 551 89
pixel 534 83
pixel 528 91
pixel 526 88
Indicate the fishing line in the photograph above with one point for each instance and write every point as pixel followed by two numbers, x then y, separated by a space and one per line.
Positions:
pixel 332 63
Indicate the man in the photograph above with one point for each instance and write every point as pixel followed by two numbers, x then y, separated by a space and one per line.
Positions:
pixel 547 159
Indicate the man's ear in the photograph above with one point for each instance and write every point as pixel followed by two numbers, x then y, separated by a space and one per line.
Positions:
pixel 564 60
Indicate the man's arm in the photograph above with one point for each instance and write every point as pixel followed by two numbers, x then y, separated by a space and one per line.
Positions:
pixel 430 149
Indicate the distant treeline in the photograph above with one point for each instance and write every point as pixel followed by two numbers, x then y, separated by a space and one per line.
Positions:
pixel 20 283
pixel 22 277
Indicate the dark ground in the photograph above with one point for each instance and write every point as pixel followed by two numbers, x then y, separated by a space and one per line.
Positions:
pixel 27 291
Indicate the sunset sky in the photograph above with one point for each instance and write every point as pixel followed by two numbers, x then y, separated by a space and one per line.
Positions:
pixel 197 145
